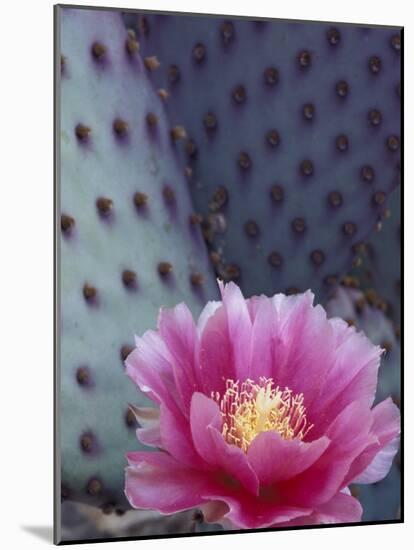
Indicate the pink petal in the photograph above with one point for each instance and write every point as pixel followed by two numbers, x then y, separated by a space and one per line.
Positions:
pixel 381 464
pixel 214 510
pixel 208 311
pixel 176 437
pixel 231 461
pixel 156 481
pixel 149 368
pixel 342 330
pixel 275 459
pixel 263 338
pixel 178 330
pixel 239 327
pixel 376 460
pixel 148 419
pixel 153 348
pixel 146 416
pixel 216 354
pixel 150 436
pixel 289 325
pixel 304 347
pixel 253 305
pixel 204 413
pixel 352 377
pixel 254 513
pixel 311 356
pixel 349 434
pixel 342 508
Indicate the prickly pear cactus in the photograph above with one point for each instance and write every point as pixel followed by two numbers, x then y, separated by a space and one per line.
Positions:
pixel 293 139
pixel 379 272
pixel 379 501
pixel 84 522
pixel 128 243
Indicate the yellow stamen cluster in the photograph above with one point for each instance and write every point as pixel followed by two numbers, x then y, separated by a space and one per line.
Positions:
pixel 250 408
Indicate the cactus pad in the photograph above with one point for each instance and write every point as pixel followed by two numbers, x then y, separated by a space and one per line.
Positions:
pixel 293 139
pixel 127 245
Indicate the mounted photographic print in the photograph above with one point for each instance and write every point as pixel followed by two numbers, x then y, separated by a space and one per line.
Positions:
pixel 228 267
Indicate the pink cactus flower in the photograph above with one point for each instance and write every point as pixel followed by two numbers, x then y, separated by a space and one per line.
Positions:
pixel 263 413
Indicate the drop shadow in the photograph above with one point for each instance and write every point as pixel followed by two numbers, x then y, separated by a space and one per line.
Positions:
pixel 43 532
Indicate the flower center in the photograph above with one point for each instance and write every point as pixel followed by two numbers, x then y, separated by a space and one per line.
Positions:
pixel 249 408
